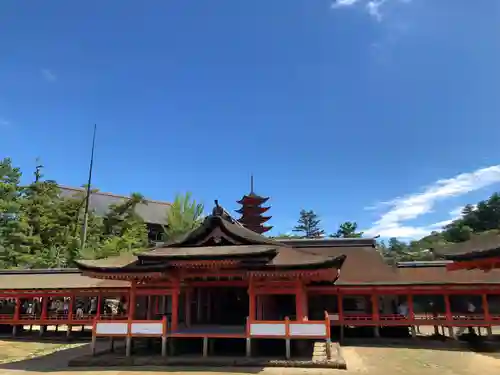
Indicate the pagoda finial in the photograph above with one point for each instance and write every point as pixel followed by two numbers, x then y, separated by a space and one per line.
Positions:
pixel 251 184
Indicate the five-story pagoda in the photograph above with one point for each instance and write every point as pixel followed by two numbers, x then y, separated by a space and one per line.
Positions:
pixel 252 211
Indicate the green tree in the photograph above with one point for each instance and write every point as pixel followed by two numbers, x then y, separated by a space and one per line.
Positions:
pixel 41 229
pixel 39 206
pixel 183 215
pixel 457 232
pixel 14 248
pixel 68 228
pixel 123 229
pixel 348 229
pixel 309 225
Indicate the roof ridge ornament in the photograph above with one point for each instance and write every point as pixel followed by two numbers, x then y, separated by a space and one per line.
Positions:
pixel 220 211
pixel 217 210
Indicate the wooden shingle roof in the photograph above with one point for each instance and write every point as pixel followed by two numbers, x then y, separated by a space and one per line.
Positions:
pixel 480 246
pixel 53 279
pixel 153 212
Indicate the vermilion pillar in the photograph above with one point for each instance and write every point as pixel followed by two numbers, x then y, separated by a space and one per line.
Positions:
pixel 131 301
pixel 340 303
pixel 375 314
pixel 301 302
pixel 45 300
pixel 449 317
pixel 175 307
pixel 258 302
pixel 189 295
pixel 486 307
pixel 99 303
pixel 17 309
pixel 411 307
pixel 486 311
pixel 340 307
pixel 251 300
pixel 70 307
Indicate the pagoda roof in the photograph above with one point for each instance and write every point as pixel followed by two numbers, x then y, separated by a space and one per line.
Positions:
pixel 252 197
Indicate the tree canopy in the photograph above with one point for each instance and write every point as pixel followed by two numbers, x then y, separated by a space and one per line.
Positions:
pixel 183 216
pixel 349 229
pixel 40 228
pixel 308 225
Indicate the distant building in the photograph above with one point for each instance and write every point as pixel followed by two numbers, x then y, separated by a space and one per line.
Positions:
pixel 154 213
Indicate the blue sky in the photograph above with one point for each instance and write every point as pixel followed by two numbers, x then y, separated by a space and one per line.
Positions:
pixel 334 106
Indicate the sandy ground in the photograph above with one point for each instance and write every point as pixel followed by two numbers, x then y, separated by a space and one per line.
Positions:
pixel 360 360
pixel 402 361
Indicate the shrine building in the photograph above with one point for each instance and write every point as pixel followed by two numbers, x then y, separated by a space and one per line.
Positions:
pixel 223 281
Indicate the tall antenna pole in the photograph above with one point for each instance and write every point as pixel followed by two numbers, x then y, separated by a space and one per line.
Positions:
pixel 251 183
pixel 87 198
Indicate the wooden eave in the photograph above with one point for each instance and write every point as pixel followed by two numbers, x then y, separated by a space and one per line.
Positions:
pixel 117 275
pixel 173 254
pixel 484 264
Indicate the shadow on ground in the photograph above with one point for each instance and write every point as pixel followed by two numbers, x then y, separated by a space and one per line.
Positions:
pixel 58 361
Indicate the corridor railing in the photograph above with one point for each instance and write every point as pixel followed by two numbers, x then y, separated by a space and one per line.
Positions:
pixel 305 329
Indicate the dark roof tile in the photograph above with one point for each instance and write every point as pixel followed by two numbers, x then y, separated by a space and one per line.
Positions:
pixel 54 279
pixel 440 275
pixel 208 251
pixel 154 212
pixel 363 265
pixel 482 245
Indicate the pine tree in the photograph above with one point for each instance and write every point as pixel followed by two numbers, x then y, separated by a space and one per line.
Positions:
pixel 39 207
pixel 309 225
pixel 348 230
pixel 124 230
pixel 13 239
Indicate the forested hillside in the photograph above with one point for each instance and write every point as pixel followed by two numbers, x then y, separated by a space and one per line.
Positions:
pixel 475 220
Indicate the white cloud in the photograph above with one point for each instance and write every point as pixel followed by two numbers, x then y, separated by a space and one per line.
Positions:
pixel 343 3
pixel 373 7
pixel 4 122
pixel 456 212
pixel 410 207
pixel 48 75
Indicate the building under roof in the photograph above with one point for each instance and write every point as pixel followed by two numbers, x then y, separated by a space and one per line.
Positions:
pixel 482 252
pixel 154 212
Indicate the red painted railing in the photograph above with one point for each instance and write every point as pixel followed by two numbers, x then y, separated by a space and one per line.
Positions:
pixel 289 328
pixel 350 319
